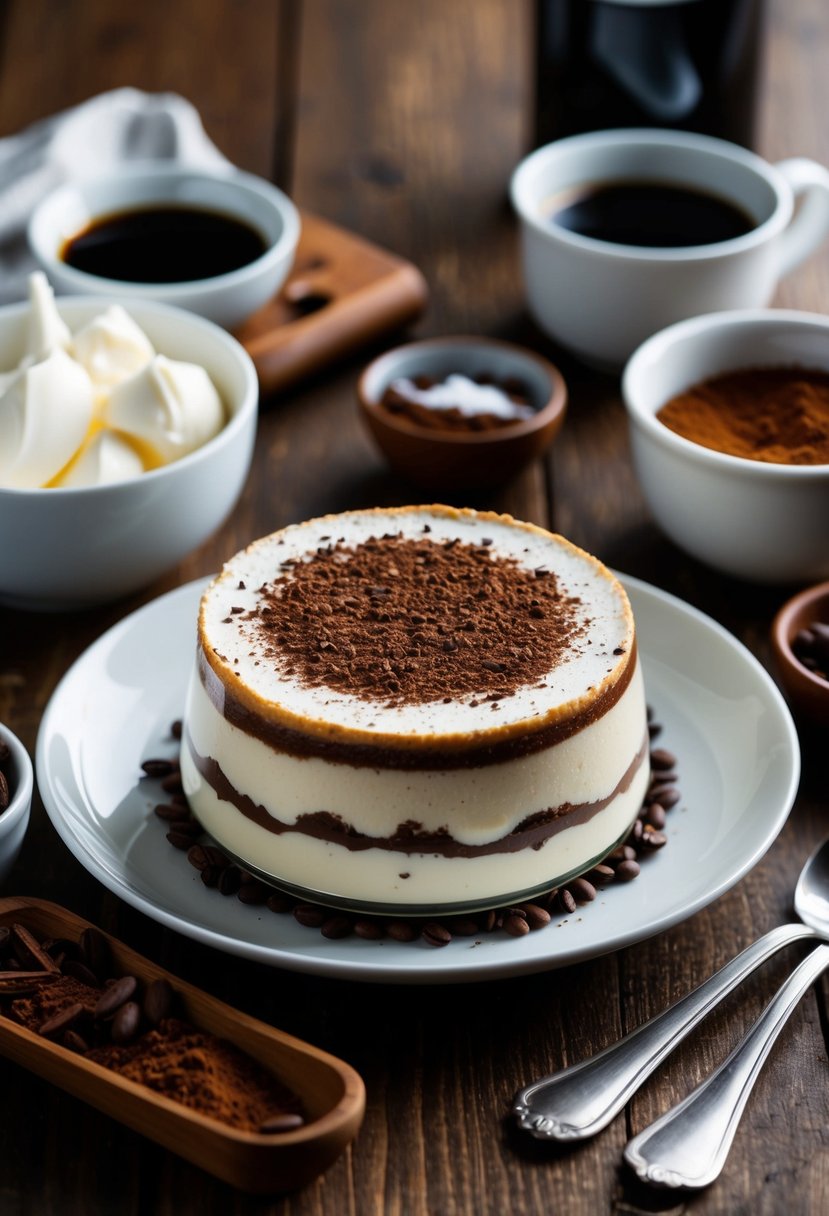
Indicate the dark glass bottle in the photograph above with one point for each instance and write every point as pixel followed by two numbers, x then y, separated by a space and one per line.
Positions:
pixel 684 64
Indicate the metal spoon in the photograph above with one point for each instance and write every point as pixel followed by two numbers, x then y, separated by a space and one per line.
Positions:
pixel 580 1100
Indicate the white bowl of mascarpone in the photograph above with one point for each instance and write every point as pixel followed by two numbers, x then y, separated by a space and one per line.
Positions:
pixel 100 496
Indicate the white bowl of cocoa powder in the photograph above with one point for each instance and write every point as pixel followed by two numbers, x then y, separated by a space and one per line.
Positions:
pixel 729 426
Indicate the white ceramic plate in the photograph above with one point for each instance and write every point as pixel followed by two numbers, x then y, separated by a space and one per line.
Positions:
pixel 722 714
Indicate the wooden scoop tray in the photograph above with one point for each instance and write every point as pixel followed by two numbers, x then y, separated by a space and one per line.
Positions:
pixel 332 1093
pixel 343 292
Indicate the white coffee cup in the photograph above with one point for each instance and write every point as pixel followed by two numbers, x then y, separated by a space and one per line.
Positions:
pixel 601 299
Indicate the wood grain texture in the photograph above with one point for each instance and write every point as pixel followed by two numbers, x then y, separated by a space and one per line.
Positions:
pixel 403 123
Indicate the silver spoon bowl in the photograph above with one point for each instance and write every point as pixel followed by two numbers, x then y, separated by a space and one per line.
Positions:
pixel 579 1101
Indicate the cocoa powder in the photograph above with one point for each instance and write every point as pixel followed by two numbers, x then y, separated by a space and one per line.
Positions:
pixel 413 621
pixel 775 414
pixel 98 1018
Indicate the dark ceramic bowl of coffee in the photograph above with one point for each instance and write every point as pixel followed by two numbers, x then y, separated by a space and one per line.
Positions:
pixel 801 660
pixel 438 458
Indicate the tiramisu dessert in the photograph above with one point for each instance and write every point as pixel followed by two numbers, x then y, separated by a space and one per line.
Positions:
pixel 415 709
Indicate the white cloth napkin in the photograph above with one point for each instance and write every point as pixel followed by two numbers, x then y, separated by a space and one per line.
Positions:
pixel 89 140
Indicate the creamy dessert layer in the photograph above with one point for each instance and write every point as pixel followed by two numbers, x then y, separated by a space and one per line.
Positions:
pixel 424 706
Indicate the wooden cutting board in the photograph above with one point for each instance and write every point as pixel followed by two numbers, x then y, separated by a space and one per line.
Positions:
pixel 342 293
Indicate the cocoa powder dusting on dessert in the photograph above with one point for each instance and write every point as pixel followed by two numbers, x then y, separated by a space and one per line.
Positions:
pixel 412 621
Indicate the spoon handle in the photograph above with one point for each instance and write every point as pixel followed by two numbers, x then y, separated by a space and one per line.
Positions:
pixel 580 1100
pixel 688 1146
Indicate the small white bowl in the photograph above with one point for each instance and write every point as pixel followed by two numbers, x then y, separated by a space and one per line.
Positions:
pixel 227 299
pixel 15 819
pixel 759 521
pixel 70 548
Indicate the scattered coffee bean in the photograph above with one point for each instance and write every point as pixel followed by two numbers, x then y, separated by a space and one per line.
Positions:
pixel 63 1020
pixel 402 931
pixel 601 874
pixel 464 927
pixel 626 871
pixel 172 812
pixel 656 816
pixel 810 647
pixel 369 930
pixel 253 893
pixel 158 1001
pixel 309 915
pixel 336 927
pixel 536 916
pixel 661 759
pixel 114 996
pixel 565 899
pixel 435 934
pixel 230 882
pixel 75 1041
pixel 281 1123
pixel 158 767
pixel 77 970
pixel 126 1022
pixel 654 840
pixel 515 925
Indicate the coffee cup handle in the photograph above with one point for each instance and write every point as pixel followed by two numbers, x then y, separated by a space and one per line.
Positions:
pixel 809 181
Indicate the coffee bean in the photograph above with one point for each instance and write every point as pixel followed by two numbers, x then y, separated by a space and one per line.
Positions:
pixel 336 927
pixel 464 926
pixel 172 812
pixel 219 858
pixel 654 729
pixel 5 940
pixel 197 856
pixel 158 1001
pixel 230 881
pixel 435 934
pixel 188 827
pixel 402 931
pixel 277 902
pixel 62 1020
pixel 116 995
pixel 566 901
pixel 126 1022
pixel 5 793
pixel 252 893
pixel 666 795
pixel 369 930
pixel 626 871
pixel 210 876
pixel 75 1041
pixel 172 784
pixel 176 728
pixel 602 873
pixel 582 891
pixel 654 840
pixel 77 970
pixel 656 816
pixel 537 917
pixel 281 1123
pixel 310 915
pixel 158 767
pixel 661 759
pixel 180 840
pixel 515 925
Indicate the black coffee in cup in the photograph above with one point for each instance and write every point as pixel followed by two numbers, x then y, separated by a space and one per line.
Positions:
pixel 661 215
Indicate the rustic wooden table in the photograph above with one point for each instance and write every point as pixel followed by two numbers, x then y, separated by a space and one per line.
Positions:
pixel 403 122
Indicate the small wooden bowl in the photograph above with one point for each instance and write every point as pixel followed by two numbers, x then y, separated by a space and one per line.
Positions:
pixel 807 692
pixel 452 461
pixel 331 1092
